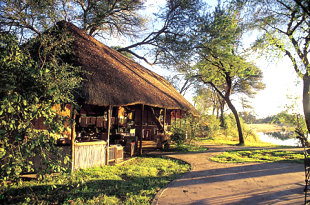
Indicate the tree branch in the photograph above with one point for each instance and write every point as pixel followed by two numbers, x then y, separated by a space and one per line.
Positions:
pixel 304 8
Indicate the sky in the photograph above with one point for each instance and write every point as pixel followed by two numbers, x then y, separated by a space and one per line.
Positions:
pixel 279 77
pixel 282 86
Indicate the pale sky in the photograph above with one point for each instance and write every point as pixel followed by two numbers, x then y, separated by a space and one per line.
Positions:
pixel 281 82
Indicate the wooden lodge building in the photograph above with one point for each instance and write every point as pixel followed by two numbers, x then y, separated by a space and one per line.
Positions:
pixel 121 104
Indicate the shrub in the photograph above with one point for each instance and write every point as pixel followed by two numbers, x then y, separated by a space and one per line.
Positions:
pixel 30 88
pixel 178 136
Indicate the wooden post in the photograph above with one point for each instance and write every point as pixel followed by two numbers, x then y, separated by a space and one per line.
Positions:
pixel 175 118
pixel 165 110
pixel 72 137
pixel 109 128
pixel 180 119
pixel 141 131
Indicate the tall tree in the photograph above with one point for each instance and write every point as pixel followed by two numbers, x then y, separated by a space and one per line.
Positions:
pixel 221 64
pixel 284 26
pixel 208 100
pixel 106 18
pixel 112 16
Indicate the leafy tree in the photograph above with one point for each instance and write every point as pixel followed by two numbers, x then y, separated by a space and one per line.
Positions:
pixel 207 98
pixel 284 29
pixel 106 18
pixel 30 89
pixel 112 17
pixel 221 64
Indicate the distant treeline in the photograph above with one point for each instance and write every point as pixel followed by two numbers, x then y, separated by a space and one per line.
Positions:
pixel 280 118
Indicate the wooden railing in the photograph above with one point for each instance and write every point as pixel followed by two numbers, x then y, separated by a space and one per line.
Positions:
pixel 89 154
pixel 116 153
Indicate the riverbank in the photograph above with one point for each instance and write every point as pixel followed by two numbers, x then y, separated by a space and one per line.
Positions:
pixel 266 128
pixel 275 134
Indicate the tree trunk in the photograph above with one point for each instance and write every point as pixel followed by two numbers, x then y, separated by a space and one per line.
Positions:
pixel 234 111
pixel 306 99
pixel 222 120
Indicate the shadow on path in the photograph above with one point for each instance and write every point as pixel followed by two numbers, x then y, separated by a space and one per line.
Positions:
pixel 231 183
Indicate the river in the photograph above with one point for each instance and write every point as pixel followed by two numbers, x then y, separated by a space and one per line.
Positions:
pixel 266 137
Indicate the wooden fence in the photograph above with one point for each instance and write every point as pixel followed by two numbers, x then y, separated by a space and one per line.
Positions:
pixel 89 154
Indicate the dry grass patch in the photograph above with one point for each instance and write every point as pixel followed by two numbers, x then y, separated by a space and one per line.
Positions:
pixel 265 128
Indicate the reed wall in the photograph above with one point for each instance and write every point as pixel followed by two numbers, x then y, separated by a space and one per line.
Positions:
pixel 89 154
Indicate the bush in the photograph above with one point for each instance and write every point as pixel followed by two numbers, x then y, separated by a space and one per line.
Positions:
pixel 30 88
pixel 178 136
pixel 212 126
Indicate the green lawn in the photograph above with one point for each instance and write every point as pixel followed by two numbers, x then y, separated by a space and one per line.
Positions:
pixel 187 148
pixel 235 143
pixel 241 156
pixel 134 182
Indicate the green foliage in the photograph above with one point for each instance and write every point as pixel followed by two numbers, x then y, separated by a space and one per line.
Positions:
pixel 240 156
pixel 283 31
pixel 135 182
pixel 207 128
pixel 29 89
pixel 178 136
pixel 112 17
pixel 191 128
pixel 230 132
pixel 210 131
pixel 248 117
pixel 221 64
pixel 212 126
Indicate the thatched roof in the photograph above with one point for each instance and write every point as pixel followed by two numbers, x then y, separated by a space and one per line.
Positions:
pixel 114 79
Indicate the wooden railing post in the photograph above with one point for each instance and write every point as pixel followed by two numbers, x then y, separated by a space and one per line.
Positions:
pixel 141 132
pixel 109 130
pixel 72 137
pixel 164 127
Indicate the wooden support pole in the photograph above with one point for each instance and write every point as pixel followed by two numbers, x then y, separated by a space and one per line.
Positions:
pixel 165 110
pixel 180 119
pixel 141 130
pixel 72 137
pixel 109 130
pixel 175 118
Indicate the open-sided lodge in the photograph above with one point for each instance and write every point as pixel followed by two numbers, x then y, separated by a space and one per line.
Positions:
pixel 121 104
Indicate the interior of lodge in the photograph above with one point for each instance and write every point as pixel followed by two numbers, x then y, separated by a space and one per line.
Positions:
pixel 124 126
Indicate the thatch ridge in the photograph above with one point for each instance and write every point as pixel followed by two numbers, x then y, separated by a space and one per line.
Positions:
pixel 114 79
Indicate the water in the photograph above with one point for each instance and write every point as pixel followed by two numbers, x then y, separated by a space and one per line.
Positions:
pixel 275 140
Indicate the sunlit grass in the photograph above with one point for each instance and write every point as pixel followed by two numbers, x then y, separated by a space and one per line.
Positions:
pixel 235 142
pixel 218 141
pixel 241 156
pixel 265 127
pixel 193 147
pixel 134 182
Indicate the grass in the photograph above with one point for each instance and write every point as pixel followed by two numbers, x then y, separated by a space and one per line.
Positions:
pixel 266 128
pixel 134 182
pixel 242 156
pixel 192 147
pixel 219 141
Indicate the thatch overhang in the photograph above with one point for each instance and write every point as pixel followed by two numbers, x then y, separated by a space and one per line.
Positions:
pixel 114 79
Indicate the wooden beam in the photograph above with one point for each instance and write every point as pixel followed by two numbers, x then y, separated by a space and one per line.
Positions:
pixel 180 119
pixel 175 118
pixel 165 110
pixel 141 130
pixel 109 130
pixel 72 136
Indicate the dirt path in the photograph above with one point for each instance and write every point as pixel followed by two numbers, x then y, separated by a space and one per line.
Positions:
pixel 225 183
